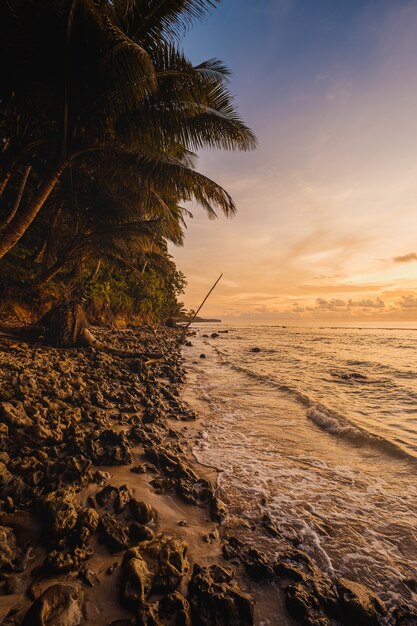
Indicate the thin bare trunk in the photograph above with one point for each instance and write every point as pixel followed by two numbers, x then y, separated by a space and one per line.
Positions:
pixel 5 180
pixel 95 271
pixel 21 223
pixel 202 304
pixel 50 273
pixel 19 196
pixel 50 241
pixel 39 252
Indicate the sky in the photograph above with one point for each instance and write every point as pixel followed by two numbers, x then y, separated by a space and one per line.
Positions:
pixel 327 205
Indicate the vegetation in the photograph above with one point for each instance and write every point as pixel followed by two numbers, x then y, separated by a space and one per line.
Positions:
pixel 101 119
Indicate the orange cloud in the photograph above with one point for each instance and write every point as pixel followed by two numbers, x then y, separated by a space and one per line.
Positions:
pixel 406 258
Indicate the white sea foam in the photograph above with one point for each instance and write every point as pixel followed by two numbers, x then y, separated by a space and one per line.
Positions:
pixel 323 467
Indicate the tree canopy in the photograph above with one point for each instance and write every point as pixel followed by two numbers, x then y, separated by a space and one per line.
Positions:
pixel 101 119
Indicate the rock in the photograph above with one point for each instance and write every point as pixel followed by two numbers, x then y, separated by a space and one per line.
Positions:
pixel 136 581
pixel 14 584
pixel 138 532
pixel 203 356
pixel 142 512
pixel 59 605
pixel 110 448
pixel 214 335
pixel 232 548
pixel 215 598
pixel 88 576
pixel 211 537
pixel 107 496
pixel 183 523
pixel 25 525
pixel 139 469
pixel 257 566
pixel 110 570
pixel 113 534
pixel 66 560
pixel 404 616
pixel 311 596
pixel 255 349
pixel 14 415
pixel 358 604
pixel 270 525
pixel 304 605
pixel 62 513
pixel 218 510
pixel 174 610
pixel 4 438
pixel 8 548
pixel 166 560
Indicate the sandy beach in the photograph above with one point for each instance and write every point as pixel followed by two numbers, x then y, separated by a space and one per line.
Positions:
pixel 107 518
pixel 93 462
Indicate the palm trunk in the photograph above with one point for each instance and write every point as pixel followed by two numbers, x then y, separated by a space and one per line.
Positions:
pixel 19 196
pixel 18 227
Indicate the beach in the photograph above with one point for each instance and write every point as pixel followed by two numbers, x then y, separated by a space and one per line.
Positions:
pixel 93 463
pixel 113 511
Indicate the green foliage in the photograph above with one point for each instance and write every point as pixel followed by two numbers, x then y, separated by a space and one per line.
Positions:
pixel 153 299
pixel 104 112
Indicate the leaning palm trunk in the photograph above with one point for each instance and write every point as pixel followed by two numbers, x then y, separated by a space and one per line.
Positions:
pixel 21 223
pixel 19 196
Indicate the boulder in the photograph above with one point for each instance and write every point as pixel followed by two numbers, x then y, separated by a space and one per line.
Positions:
pixel 256 565
pixel 107 496
pixel 62 512
pixel 141 512
pixel 8 548
pixel 358 604
pixel 174 610
pixel 166 561
pixel 113 534
pixel 66 560
pixel 310 595
pixel 14 584
pixel 215 598
pixel 59 605
pixel 136 582
pixel 14 415
pixel 110 448
pixel 138 532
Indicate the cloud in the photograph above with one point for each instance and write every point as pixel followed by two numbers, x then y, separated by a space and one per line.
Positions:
pixel 368 304
pixel 330 305
pixel 408 302
pixel 406 258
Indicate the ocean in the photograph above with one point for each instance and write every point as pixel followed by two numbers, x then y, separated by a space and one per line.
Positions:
pixel 318 429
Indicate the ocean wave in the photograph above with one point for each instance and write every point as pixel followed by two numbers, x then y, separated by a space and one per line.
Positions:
pixel 342 427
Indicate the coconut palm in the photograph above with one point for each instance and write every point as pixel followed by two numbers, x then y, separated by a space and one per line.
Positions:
pixel 146 106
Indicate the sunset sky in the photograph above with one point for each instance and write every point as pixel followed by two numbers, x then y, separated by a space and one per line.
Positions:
pixel 327 206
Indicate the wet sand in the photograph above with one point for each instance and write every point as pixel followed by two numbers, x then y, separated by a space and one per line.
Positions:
pixel 73 423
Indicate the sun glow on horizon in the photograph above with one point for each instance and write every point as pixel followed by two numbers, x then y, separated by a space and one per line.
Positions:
pixel 327 206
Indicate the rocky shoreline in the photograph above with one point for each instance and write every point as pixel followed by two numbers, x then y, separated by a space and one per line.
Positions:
pixel 104 519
